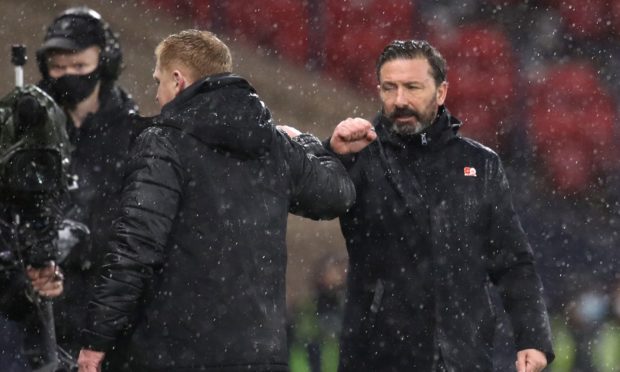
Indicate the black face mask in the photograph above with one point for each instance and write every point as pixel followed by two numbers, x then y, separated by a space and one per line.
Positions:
pixel 69 90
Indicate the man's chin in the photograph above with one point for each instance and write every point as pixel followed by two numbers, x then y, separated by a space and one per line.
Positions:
pixel 406 127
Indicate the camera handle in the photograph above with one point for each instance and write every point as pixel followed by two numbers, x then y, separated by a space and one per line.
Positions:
pixel 19 58
pixel 45 332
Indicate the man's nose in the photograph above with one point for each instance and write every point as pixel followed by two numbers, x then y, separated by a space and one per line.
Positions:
pixel 401 99
pixel 66 71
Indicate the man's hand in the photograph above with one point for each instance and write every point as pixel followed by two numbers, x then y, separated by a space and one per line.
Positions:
pixel 352 135
pixel 46 281
pixel 530 360
pixel 90 360
pixel 292 132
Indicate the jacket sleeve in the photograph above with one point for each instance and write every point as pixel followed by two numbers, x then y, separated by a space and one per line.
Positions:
pixel 320 185
pixel 150 200
pixel 511 268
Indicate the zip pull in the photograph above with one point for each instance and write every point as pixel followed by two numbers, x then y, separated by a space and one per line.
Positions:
pixel 424 140
pixel 378 296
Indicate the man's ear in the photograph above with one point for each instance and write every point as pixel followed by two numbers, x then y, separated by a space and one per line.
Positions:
pixel 180 80
pixel 442 93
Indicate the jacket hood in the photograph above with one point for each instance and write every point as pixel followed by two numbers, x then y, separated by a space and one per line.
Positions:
pixel 222 111
pixel 443 129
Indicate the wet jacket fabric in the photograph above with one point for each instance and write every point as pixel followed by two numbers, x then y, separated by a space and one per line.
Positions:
pixel 100 151
pixel 432 229
pixel 197 265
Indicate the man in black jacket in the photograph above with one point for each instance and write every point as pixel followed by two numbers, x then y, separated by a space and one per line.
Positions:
pixel 432 229
pixel 197 265
pixel 80 60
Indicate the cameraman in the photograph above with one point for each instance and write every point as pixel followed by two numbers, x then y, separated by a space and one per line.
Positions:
pixel 80 61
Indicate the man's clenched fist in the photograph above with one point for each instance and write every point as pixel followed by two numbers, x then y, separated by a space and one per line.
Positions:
pixel 352 135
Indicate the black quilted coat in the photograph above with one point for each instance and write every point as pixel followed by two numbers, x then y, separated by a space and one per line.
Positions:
pixel 197 267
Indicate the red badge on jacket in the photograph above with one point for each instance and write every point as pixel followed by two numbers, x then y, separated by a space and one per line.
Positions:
pixel 469 171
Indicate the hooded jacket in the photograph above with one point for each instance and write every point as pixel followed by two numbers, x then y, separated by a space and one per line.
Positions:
pixel 197 265
pixel 432 229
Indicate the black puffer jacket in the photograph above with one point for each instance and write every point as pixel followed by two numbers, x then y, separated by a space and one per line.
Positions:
pixel 198 262
pixel 432 228
pixel 100 151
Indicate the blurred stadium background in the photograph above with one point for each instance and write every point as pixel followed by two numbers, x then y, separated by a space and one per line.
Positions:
pixel 538 81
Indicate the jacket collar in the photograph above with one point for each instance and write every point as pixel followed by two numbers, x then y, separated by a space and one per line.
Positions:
pixel 222 111
pixel 204 85
pixel 443 129
pixel 113 101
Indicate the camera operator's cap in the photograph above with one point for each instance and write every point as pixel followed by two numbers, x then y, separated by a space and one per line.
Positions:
pixel 74 32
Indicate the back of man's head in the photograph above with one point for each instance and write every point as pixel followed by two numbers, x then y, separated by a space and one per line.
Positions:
pixel 200 52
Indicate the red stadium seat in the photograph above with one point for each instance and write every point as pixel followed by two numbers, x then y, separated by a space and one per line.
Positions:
pixel 572 124
pixel 356 33
pixel 482 76
pixel 569 167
